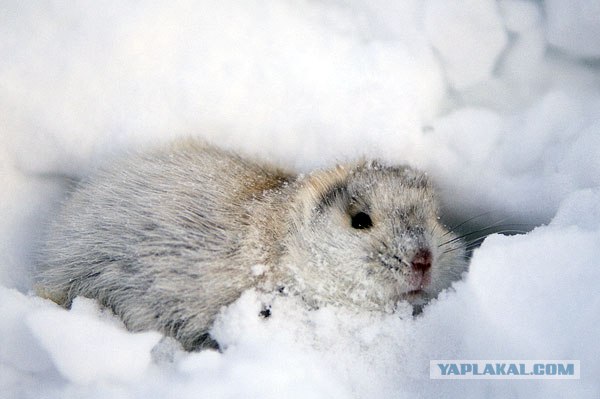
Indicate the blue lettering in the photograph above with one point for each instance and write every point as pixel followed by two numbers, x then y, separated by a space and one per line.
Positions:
pixel 569 369
pixel 512 369
pixel 443 368
pixel 538 369
pixel 489 370
pixel 465 368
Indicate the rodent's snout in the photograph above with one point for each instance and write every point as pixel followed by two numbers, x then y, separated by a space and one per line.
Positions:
pixel 422 260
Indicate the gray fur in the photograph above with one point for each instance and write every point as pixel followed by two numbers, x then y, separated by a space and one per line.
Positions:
pixel 167 237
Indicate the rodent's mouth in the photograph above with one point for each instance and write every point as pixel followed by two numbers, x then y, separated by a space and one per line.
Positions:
pixel 415 297
pixel 413 294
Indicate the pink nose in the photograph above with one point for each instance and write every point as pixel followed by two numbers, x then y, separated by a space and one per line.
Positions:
pixel 422 260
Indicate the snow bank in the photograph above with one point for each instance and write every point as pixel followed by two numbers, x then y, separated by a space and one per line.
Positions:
pixel 498 101
pixel 274 71
pixel 468 36
pixel 523 164
pixel 570 25
pixel 85 349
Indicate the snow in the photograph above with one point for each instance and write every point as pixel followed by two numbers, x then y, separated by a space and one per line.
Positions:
pixel 468 36
pixel 570 25
pixel 110 352
pixel 498 101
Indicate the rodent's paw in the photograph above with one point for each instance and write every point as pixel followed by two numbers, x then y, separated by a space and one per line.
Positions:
pixel 266 311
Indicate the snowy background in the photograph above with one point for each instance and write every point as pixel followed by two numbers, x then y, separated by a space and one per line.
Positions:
pixel 498 101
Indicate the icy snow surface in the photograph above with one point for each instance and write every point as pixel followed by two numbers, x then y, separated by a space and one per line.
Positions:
pixel 498 101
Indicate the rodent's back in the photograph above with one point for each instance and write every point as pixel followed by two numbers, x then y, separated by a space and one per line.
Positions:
pixel 158 237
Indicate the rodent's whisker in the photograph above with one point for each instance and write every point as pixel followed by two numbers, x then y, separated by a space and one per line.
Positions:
pixel 469 245
pixel 453 228
pixel 434 228
pixel 494 225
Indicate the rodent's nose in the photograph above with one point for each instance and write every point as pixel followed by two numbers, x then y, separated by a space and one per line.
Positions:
pixel 422 260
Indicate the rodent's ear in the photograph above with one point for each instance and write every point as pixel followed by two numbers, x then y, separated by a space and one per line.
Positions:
pixel 322 186
pixel 320 182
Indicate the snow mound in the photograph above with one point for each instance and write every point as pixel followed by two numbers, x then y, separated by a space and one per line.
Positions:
pixel 571 25
pixel 468 36
pixel 85 349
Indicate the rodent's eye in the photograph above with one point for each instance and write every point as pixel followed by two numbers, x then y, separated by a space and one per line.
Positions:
pixel 361 221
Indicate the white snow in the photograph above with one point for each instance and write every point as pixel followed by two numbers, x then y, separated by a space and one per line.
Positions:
pixel 571 24
pixel 468 36
pixel 498 101
pixel 86 349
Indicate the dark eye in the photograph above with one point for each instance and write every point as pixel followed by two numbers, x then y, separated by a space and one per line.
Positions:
pixel 361 221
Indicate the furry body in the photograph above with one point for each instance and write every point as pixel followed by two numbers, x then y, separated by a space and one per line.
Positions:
pixel 167 237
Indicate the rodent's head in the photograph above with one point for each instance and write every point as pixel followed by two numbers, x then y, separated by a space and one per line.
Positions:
pixel 369 236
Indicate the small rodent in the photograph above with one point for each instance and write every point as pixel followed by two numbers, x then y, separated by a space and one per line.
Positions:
pixel 167 237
